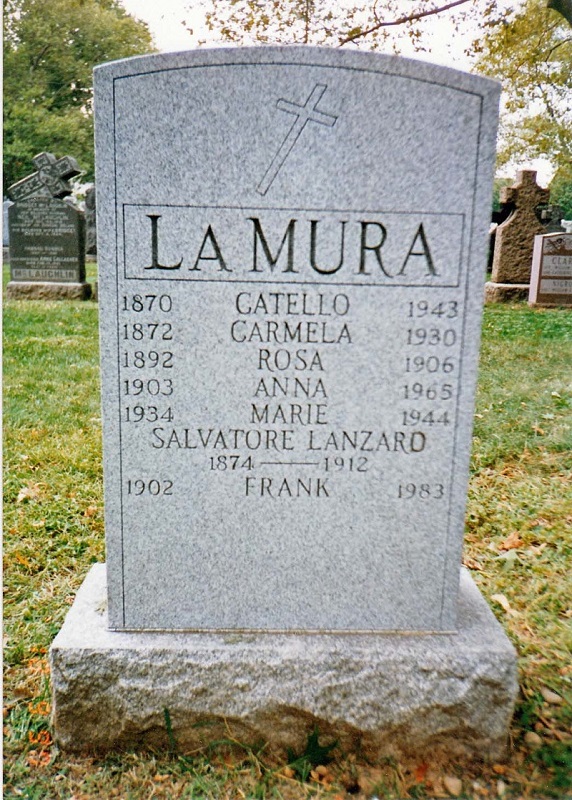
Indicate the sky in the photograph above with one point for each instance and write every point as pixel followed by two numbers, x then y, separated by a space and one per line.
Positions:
pixel 165 19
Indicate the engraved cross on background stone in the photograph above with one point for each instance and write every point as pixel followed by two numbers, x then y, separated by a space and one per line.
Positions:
pixel 304 114
pixel 51 179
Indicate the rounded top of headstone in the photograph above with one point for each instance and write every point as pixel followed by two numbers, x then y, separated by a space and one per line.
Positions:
pixel 300 55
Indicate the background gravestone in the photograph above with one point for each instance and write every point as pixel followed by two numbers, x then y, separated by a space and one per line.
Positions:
pixel 5 230
pixel 514 239
pixel 551 218
pixel 551 279
pixel 90 223
pixel 47 234
pixel 289 350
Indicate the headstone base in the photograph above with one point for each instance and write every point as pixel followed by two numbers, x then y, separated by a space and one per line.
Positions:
pixel 379 694
pixel 543 304
pixel 34 290
pixel 505 292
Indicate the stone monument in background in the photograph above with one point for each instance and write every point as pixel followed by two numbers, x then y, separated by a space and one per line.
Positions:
pixel 551 218
pixel 551 279
pixel 289 346
pixel 514 239
pixel 5 230
pixel 47 234
pixel 90 223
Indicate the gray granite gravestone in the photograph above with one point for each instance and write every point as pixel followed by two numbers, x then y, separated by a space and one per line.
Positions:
pixel 47 234
pixel 551 278
pixel 290 311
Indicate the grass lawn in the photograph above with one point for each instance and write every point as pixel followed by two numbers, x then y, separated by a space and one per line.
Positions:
pixel 518 546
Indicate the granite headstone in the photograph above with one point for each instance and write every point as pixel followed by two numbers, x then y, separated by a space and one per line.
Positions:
pixel 291 248
pixel 47 234
pixel 551 279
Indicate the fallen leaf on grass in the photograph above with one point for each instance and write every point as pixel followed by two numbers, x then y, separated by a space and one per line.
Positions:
pixel 511 542
pixel 40 737
pixel 420 772
pixel 322 775
pixel 540 522
pixel 38 666
pixel 502 601
pixel 31 492
pixel 532 739
pixel 471 563
pixel 550 696
pixel 510 558
pixel 536 549
pixel 39 759
pixel 453 785
pixel 22 560
pixel 90 511
pixel 42 708
pixel 500 769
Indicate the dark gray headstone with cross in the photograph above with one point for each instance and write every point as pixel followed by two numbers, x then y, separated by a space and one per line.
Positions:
pixel 50 179
pixel 47 235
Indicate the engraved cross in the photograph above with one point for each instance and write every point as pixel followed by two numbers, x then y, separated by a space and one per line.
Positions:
pixel 304 114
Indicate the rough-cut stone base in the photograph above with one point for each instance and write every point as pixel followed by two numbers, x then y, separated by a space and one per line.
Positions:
pixel 377 694
pixel 505 292
pixel 34 290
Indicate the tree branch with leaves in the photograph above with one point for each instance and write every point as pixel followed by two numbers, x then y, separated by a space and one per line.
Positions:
pixel 50 49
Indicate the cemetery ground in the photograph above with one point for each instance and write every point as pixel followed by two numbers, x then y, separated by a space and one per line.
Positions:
pixel 518 549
